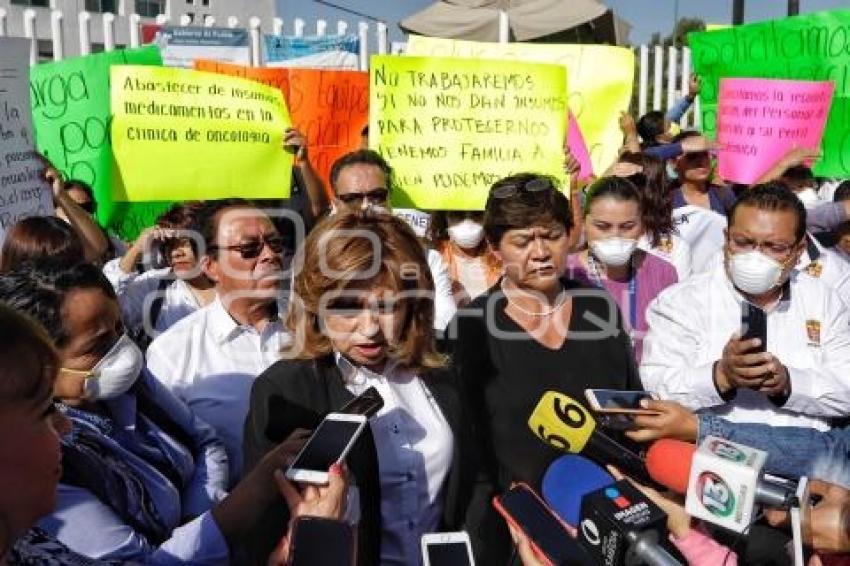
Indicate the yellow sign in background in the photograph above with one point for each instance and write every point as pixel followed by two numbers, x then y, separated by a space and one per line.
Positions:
pixel 601 80
pixel 452 127
pixel 180 134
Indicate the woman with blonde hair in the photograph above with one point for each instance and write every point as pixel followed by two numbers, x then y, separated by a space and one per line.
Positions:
pixel 361 316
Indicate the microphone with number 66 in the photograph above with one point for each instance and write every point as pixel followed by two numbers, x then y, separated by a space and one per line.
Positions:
pixel 566 425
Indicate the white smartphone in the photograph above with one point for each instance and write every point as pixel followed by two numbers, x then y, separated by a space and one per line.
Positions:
pixel 613 401
pixel 329 444
pixel 447 549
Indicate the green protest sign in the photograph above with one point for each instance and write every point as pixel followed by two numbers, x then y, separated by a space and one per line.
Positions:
pixel 812 47
pixel 71 116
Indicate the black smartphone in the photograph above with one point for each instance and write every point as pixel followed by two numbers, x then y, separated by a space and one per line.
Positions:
pixel 367 403
pixel 315 540
pixel 754 325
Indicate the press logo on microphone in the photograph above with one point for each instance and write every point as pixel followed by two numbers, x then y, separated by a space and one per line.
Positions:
pixel 715 495
pixel 590 532
pixel 727 451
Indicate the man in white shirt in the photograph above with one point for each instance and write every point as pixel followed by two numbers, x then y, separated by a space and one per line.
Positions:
pixel 693 352
pixel 363 178
pixel 211 358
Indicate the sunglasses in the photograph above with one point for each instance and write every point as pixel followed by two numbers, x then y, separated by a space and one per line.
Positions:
pixel 535 185
pixel 375 195
pixel 252 250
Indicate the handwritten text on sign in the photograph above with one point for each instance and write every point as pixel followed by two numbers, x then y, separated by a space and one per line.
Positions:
pixel 184 134
pixel 22 192
pixel 452 127
pixel 760 120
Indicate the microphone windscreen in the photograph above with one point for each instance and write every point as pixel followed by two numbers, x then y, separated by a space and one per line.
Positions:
pixel 562 422
pixel 567 480
pixel 669 463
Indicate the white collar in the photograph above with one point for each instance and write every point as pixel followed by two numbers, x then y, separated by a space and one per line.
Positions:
pixel 359 375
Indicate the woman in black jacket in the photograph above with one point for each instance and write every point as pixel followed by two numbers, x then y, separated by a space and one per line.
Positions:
pixel 361 316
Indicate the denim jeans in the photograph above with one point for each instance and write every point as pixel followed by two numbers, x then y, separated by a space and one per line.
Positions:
pixel 791 451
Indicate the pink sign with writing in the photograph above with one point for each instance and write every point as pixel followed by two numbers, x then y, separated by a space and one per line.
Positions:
pixel 578 147
pixel 761 120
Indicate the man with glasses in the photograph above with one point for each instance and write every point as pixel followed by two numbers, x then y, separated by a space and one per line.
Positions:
pixel 210 358
pixel 754 340
pixel 363 179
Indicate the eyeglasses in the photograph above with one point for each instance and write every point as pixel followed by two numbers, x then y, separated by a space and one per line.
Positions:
pixel 378 195
pixel 535 185
pixel 350 307
pixel 773 249
pixel 252 250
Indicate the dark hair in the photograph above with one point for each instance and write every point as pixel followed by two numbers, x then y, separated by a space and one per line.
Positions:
pixel 361 157
pixel 685 134
pixel 655 189
pixel 842 192
pixel 799 177
pixel 40 237
pixel 773 196
pixel 181 216
pixel 28 360
pixel 524 208
pixel 40 292
pixel 209 216
pixel 72 184
pixel 649 126
pixel 617 188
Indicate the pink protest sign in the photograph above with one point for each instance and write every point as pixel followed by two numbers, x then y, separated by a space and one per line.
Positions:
pixel 760 120
pixel 575 141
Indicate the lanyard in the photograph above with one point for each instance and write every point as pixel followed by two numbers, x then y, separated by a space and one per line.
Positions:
pixel 593 272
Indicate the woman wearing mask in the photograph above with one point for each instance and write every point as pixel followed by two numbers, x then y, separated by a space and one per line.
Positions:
pixel 137 463
pixel 31 436
pixel 459 237
pixel 534 332
pixel 362 317
pixel 613 225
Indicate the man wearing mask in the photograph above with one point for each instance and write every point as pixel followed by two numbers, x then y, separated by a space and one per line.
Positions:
pixel 695 352
pixel 363 179
pixel 210 358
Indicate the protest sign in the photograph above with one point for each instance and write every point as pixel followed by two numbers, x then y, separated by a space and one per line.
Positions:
pixel 22 191
pixel 578 148
pixel 317 52
pixel 329 107
pixel 811 47
pixel 185 134
pixel 760 120
pixel 451 127
pixel 601 79
pixel 180 46
pixel 70 109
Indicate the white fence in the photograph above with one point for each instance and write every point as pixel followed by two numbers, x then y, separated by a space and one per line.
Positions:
pixel 666 86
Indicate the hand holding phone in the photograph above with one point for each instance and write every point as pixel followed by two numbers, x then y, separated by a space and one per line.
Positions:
pixel 316 540
pixel 614 402
pixel 754 325
pixel 329 445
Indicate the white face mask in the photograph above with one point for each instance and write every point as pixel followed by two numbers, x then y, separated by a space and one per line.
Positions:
pixel 809 197
pixel 613 251
pixel 116 372
pixel 755 273
pixel 467 234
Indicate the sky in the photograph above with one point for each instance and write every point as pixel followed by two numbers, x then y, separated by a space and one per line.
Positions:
pixel 646 16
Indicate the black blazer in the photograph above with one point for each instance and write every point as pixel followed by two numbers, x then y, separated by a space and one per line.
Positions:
pixel 298 394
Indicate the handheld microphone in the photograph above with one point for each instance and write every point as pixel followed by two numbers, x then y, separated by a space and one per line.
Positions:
pixel 616 522
pixel 722 480
pixel 566 425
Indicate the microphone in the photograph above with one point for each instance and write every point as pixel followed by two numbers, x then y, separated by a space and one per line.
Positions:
pixel 566 425
pixel 723 481
pixel 616 522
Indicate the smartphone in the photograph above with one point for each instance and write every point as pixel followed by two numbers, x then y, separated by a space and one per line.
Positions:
pixel 754 325
pixel 551 542
pixel 315 540
pixel 367 403
pixel 329 444
pixel 447 549
pixel 612 401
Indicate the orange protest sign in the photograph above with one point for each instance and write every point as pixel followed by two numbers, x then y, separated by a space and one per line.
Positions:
pixel 330 107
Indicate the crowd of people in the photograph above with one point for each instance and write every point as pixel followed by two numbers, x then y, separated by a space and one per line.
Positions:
pixel 154 392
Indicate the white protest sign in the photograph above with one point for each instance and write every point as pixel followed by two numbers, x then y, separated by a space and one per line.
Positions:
pixel 22 191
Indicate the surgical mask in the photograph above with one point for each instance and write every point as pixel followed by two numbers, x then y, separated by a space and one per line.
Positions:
pixel 116 372
pixel 467 233
pixel 755 273
pixel 613 251
pixel 809 197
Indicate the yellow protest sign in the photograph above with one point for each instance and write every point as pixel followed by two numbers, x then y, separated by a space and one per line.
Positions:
pixel 452 127
pixel 179 134
pixel 601 80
